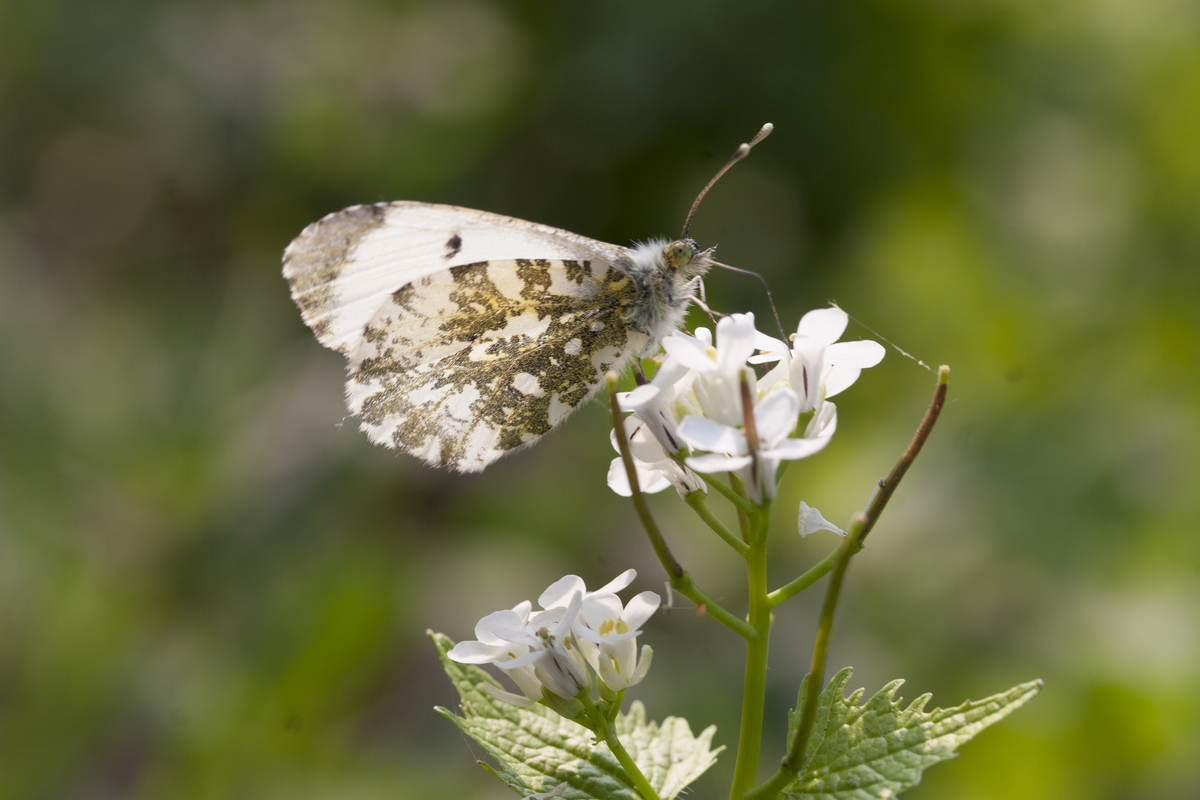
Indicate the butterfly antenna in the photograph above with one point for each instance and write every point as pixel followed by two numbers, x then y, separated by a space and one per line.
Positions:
pixel 742 152
pixel 766 286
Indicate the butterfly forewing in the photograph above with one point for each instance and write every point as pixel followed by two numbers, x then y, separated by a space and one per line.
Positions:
pixel 343 267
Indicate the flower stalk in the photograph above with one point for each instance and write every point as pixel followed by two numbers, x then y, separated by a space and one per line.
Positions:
pixel 680 580
pixel 793 761
pixel 707 419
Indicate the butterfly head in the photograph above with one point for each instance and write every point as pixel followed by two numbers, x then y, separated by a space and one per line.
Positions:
pixel 685 257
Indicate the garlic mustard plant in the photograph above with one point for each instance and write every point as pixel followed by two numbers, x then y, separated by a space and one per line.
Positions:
pixel 723 411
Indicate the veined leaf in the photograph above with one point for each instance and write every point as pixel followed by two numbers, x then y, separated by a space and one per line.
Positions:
pixel 878 749
pixel 536 750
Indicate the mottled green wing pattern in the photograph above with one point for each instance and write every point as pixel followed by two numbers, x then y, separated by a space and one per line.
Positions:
pixel 461 366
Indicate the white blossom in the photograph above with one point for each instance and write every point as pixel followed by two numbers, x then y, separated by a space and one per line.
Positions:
pixel 717 369
pixel 656 470
pixel 559 593
pixel 607 634
pixel 536 650
pixel 811 521
pixel 696 399
pixel 817 366
pixel 729 450
pixel 656 403
pixel 551 649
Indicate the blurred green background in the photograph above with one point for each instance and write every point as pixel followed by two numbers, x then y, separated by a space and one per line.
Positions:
pixel 212 587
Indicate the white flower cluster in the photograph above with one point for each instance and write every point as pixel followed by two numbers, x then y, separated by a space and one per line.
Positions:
pixel 695 403
pixel 552 649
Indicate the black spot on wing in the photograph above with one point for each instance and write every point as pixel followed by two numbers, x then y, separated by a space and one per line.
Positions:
pixel 453 245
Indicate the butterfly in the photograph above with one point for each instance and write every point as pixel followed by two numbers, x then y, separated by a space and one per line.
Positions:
pixel 469 334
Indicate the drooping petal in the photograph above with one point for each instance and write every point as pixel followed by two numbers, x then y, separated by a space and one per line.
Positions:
pixel 811 521
pixel 642 668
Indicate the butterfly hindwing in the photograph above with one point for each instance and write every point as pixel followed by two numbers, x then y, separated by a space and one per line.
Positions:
pixel 465 364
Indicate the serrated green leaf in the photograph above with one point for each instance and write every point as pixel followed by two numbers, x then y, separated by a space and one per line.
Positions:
pixel 877 749
pixel 535 749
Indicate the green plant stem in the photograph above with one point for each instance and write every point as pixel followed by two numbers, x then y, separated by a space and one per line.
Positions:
pixel 603 727
pixel 743 505
pixel 681 581
pixel 755 685
pixel 818 571
pixel 697 502
pixel 792 762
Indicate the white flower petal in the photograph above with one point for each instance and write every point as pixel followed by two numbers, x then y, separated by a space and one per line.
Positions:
pixel 778 377
pixel 641 608
pixel 633 400
pixel 618 583
pixel 823 424
pixel 642 444
pixel 480 653
pixel 503 626
pixel 559 593
pixel 824 325
pixel 618 479
pixel 735 342
pixel 791 449
pixel 690 352
pixel 771 349
pixel 670 373
pixel 642 668
pixel 839 378
pixel 776 415
pixel 861 354
pixel 703 433
pixel 718 463
pixel 811 521
pixel 532 657
pixel 509 697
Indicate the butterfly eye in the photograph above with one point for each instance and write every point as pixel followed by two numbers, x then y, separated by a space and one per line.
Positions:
pixel 680 254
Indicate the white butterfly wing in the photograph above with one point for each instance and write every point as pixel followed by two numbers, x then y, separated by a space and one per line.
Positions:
pixel 469 334
pixel 343 267
pixel 467 364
